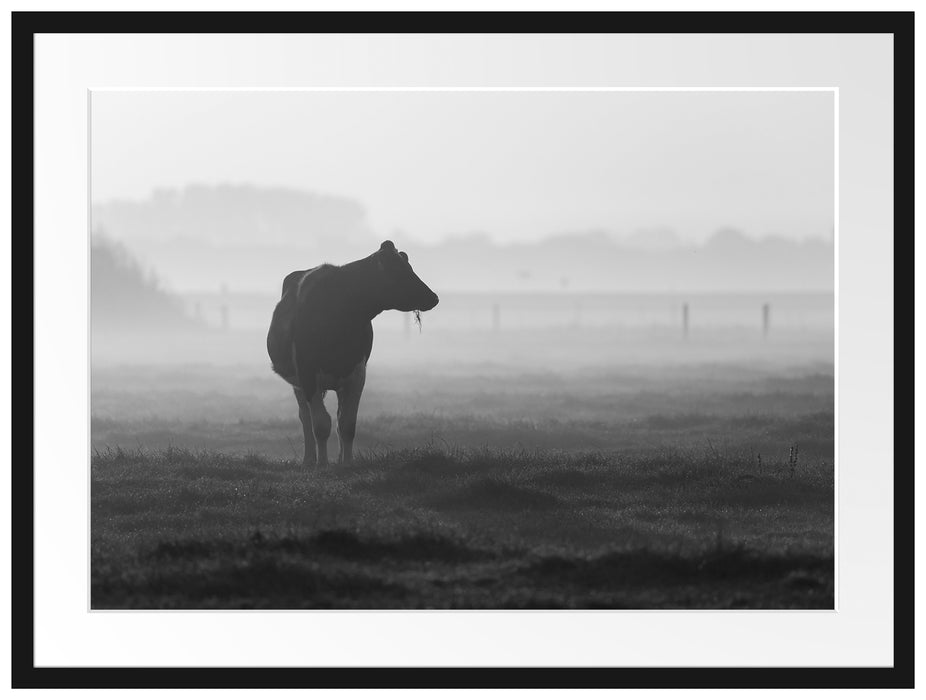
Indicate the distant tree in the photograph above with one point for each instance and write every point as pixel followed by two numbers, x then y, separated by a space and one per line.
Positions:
pixel 124 296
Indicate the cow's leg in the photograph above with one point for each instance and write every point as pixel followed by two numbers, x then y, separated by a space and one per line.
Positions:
pixel 306 419
pixel 348 403
pixel 321 427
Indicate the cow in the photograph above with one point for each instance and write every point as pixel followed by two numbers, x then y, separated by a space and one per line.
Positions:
pixel 321 335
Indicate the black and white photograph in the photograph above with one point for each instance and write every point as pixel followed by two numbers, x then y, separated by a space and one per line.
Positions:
pixel 462 349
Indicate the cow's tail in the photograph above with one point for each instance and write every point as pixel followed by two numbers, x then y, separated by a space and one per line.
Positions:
pixel 280 337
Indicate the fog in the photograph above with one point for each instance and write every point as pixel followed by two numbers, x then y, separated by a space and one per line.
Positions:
pixel 624 398
pixel 615 233
pixel 593 212
pixel 517 166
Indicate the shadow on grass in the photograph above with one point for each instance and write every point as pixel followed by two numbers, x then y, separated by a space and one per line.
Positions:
pixel 345 569
pixel 432 528
pixel 494 494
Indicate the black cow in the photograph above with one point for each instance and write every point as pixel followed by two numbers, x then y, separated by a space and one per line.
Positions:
pixel 322 333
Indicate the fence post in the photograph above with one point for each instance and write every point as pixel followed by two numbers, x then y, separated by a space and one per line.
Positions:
pixel 223 309
pixel 685 320
pixel 766 314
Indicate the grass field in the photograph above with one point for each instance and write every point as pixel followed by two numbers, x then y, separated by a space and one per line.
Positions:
pixel 477 486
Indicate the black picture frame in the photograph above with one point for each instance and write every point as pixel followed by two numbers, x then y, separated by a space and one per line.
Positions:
pixel 25 25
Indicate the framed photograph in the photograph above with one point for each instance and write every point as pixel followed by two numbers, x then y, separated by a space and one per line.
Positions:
pixel 460 349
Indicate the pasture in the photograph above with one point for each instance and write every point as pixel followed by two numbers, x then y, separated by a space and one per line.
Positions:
pixel 642 481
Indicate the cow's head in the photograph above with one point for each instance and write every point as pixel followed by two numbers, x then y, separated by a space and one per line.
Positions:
pixel 402 288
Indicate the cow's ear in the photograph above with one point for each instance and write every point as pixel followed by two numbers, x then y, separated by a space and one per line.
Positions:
pixel 388 246
pixel 404 255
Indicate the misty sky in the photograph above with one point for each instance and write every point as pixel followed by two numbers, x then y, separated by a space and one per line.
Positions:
pixel 517 166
